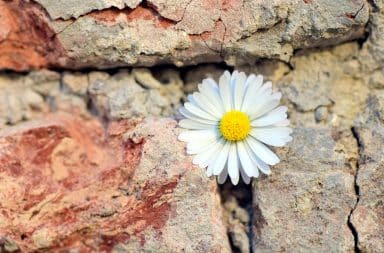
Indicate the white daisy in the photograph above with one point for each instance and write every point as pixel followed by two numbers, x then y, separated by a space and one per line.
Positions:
pixel 230 123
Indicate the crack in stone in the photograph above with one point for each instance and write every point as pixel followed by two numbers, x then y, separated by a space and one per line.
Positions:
pixel 185 10
pixel 65 28
pixel 225 31
pixel 245 202
pixel 357 192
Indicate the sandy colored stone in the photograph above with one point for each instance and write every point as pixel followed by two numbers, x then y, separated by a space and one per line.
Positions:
pixel 113 33
pixel 32 96
pixel 237 219
pixel 121 96
pixel 65 9
pixel 329 79
pixel 69 185
pixel 174 10
pixel 18 101
pixel 145 78
pixel 75 83
pixel 44 82
pixel 304 205
pixel 372 53
pixel 368 216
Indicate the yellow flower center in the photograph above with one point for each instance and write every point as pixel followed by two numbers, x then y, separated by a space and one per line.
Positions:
pixel 235 125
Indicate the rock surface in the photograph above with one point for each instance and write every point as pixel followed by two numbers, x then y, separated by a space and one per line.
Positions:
pixel 134 94
pixel 31 96
pixel 368 216
pixel 69 185
pixel 324 97
pixel 305 204
pixel 108 33
pixel 325 196
pixel 139 94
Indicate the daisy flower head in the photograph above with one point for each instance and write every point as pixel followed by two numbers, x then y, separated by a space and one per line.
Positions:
pixel 230 125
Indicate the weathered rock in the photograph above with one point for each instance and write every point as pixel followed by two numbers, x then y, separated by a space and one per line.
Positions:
pixel 27 41
pixel 44 82
pixel 68 185
pixel 120 96
pixel 75 83
pixel 237 220
pixel 96 34
pixel 18 101
pixel 32 96
pixel 304 205
pixel 73 9
pixel 368 216
pixel 372 53
pixel 145 78
pixel 329 79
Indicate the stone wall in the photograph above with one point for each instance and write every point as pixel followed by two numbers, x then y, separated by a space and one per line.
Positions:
pixel 89 94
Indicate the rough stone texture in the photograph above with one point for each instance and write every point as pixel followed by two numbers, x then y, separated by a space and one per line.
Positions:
pixel 65 9
pixel 96 34
pixel 75 83
pixel 31 96
pixel 305 204
pixel 372 53
pixel 368 216
pixel 237 220
pixel 330 72
pixel 316 197
pixel 121 96
pixel 18 101
pixel 68 185
pixel 26 39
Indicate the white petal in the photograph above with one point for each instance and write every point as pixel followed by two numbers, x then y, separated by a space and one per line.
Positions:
pixel 253 85
pixel 244 176
pixel 264 108
pixel 254 161
pixel 225 90
pixel 238 90
pixel 208 162
pixel 262 166
pixel 277 115
pixel 195 147
pixel 284 122
pixel 275 136
pixel 246 163
pixel 210 89
pixel 264 153
pixel 209 171
pixel 197 135
pixel 207 105
pixel 209 154
pixel 266 88
pixel 259 98
pixel 222 177
pixel 194 117
pixel 233 164
pixel 221 159
pixel 195 109
pixel 252 78
pixel 192 124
